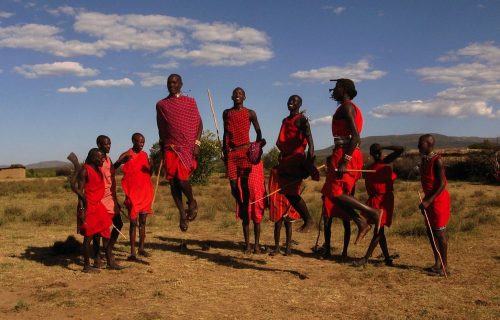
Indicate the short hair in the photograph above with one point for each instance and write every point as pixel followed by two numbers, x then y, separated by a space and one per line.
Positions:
pixel 137 134
pixel 348 86
pixel 240 88
pixel 375 147
pixel 296 96
pixel 175 75
pixel 101 138
pixel 428 136
pixel 91 154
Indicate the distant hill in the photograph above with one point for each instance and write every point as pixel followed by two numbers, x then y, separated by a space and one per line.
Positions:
pixel 49 165
pixel 409 141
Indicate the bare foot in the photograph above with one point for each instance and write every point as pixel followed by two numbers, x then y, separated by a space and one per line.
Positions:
pixel 144 253
pixel 307 226
pixel 256 249
pixel 248 250
pixel 275 252
pixel 192 211
pixel 183 223
pixel 362 231
pixel 360 262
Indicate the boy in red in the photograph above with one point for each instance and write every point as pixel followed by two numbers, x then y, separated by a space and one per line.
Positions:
pixel 94 218
pixel 380 187
pixel 347 123
pixel 180 128
pixel 436 201
pixel 236 141
pixel 294 165
pixel 138 189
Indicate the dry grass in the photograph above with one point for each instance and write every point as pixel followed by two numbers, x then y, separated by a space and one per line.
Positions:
pixel 224 283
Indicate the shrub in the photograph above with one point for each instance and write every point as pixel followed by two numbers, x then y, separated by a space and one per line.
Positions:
pixel 270 159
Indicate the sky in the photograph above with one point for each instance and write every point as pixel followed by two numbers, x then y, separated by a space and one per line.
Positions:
pixel 71 70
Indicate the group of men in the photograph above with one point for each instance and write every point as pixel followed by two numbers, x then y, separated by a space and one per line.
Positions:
pixel 180 128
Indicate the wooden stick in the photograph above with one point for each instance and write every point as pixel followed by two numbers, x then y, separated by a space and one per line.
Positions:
pixel 432 236
pixel 119 231
pixel 356 170
pixel 215 121
pixel 157 183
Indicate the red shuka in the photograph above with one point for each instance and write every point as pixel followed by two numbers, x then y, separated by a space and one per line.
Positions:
pixel 237 133
pixel 380 186
pixel 279 204
pixel 439 210
pixel 109 199
pixel 97 219
pixel 334 187
pixel 136 184
pixel 257 188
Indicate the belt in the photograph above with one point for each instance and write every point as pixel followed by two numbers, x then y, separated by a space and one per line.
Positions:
pixel 243 146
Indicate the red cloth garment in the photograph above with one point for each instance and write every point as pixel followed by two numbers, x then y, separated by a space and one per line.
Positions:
pixel 380 186
pixel 137 185
pixel 237 135
pixel 333 186
pixel 279 204
pixel 174 169
pixel 257 188
pixel 178 122
pixel 109 199
pixel 332 210
pixel 439 210
pixel 97 219
pixel 293 165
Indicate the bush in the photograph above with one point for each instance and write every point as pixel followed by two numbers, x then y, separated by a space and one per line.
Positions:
pixel 63 172
pixel 270 159
pixel 477 166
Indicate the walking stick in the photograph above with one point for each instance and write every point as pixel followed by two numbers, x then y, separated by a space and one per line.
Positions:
pixel 76 164
pixel 215 121
pixel 157 182
pixel 119 231
pixel 432 236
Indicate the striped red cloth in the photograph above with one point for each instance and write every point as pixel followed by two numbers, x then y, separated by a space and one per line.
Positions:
pixel 237 127
pixel 257 188
pixel 178 122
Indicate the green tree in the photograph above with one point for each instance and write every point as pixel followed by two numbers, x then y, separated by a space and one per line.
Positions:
pixel 208 158
pixel 270 159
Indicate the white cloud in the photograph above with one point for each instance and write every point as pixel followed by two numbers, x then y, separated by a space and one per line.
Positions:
pixel 476 90
pixel 215 43
pixel 337 10
pixel 169 65
pixel 153 81
pixel 55 69
pixel 361 70
pixel 323 121
pixel 125 82
pixel 5 15
pixel 72 90
pixel 222 55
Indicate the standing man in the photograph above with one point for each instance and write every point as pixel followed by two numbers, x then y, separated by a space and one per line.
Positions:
pixel 109 199
pixel 179 127
pixel 236 142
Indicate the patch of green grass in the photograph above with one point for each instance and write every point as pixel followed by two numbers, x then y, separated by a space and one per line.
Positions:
pixel 52 215
pixel 487 219
pixel 12 213
pixel 412 229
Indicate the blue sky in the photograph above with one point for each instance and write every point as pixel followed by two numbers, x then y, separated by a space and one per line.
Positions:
pixel 70 70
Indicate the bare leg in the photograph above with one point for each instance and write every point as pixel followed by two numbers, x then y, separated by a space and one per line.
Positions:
pixel 132 234
pixel 347 238
pixel 328 235
pixel 256 233
pixel 142 235
pixel 176 191
pixel 371 247
pixel 299 204
pixel 436 265
pixel 86 255
pixel 363 227
pixel 385 249
pixel 187 190
pixel 246 230
pixel 442 243
pixel 288 246
pixel 277 231
pixel 110 258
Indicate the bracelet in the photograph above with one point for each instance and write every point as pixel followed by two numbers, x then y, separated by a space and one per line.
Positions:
pixel 197 142
pixel 81 209
pixel 347 157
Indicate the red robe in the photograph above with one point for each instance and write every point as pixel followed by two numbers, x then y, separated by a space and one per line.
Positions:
pixel 333 186
pixel 136 184
pixel 439 210
pixel 293 164
pixel 279 204
pixel 97 219
pixel 380 187
pixel 257 188
pixel 237 136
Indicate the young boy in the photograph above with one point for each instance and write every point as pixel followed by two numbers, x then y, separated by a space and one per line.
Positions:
pixel 94 218
pixel 380 187
pixel 436 202
pixel 294 164
pixel 138 189
pixel 280 210
pixel 236 142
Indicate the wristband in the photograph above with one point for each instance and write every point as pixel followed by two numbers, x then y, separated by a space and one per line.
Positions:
pixel 347 157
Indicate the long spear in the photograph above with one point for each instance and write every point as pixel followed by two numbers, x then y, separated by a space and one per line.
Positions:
pixel 215 121
pixel 432 236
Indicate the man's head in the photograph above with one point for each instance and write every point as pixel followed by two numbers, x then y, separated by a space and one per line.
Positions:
pixel 343 88
pixel 138 141
pixel 103 143
pixel 376 151
pixel 294 103
pixel 426 144
pixel 238 95
pixel 174 84
pixel 95 157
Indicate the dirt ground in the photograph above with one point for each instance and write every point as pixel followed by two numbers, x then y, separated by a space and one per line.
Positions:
pixel 224 283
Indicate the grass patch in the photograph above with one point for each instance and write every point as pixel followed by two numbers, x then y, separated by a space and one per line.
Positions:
pixel 21 306
pixel 13 213
pixel 54 214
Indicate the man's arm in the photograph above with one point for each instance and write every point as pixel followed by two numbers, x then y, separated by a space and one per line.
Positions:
pixel 256 126
pixel 224 142
pixel 306 130
pixel 396 152
pixel 440 178
pixel 349 115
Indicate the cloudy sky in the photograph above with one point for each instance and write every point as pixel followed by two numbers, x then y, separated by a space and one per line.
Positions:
pixel 71 70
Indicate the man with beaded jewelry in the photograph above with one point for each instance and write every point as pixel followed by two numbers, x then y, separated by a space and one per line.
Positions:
pixel 347 123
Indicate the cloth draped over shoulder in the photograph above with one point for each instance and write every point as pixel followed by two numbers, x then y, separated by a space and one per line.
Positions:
pixel 291 139
pixel 439 210
pixel 97 219
pixel 178 120
pixel 136 184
